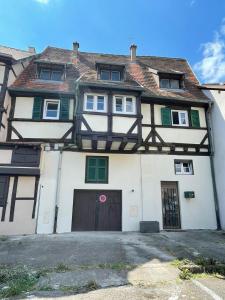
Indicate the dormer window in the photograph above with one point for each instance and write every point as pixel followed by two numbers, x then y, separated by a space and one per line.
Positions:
pixel 171 81
pixel 110 75
pixel 110 72
pixel 169 84
pixel 50 74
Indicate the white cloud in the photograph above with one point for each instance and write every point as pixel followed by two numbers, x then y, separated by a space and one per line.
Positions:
pixel 212 66
pixel 42 1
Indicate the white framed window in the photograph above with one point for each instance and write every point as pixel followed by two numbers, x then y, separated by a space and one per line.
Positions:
pixel 51 109
pixel 124 105
pixel 179 117
pixel 183 167
pixel 95 103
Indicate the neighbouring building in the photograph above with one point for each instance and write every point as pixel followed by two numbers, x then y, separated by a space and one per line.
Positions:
pixel 216 92
pixel 12 63
pixel 102 142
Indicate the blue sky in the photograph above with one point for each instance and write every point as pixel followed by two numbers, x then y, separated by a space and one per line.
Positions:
pixel 193 29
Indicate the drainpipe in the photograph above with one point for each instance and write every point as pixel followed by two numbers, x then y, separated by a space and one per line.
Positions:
pixel 141 183
pixel 58 180
pixel 59 168
pixel 211 145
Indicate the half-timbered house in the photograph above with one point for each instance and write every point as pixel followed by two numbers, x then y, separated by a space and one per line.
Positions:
pixel 117 141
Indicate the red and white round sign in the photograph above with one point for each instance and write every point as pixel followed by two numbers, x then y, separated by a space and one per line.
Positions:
pixel 102 198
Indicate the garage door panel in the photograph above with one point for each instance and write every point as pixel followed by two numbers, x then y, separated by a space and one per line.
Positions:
pixel 83 212
pixel 89 213
pixel 109 217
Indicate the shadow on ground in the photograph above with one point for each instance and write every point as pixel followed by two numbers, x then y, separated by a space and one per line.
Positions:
pixel 100 265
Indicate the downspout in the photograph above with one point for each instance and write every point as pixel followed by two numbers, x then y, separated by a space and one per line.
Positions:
pixel 59 169
pixel 58 180
pixel 141 186
pixel 211 145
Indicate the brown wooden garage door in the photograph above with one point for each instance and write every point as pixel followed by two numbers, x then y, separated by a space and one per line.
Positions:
pixel 97 210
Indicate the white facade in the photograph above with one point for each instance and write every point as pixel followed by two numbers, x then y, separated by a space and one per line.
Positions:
pixel 139 177
pixel 218 127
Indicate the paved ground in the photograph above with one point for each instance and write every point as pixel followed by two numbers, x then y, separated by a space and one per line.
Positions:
pixel 123 265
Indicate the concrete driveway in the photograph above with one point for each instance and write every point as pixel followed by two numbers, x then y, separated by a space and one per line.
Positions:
pixel 129 265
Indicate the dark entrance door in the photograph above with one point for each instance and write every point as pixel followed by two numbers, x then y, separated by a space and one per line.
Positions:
pixel 97 210
pixel 170 205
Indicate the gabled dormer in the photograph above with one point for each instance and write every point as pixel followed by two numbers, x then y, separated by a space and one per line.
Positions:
pixel 49 71
pixel 110 72
pixel 171 81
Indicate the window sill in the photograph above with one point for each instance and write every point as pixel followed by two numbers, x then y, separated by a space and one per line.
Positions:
pixel 99 182
pixel 183 174
pixel 48 80
pixel 173 90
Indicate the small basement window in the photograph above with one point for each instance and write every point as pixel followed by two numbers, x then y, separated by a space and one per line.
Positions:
pixel 49 74
pixel 96 169
pixel 183 167
pixel 179 117
pixel 51 109
pixel 124 105
pixel 95 103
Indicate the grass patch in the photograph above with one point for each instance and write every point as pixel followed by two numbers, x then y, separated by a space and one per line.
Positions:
pixel 90 286
pixel 16 281
pixel 117 266
pixel 185 274
pixel 199 266
pixel 45 288
pixel 61 267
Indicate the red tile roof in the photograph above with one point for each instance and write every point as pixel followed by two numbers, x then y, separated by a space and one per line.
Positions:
pixel 141 73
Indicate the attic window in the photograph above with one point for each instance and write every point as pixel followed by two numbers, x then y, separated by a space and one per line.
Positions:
pixel 50 74
pixel 171 81
pixel 110 75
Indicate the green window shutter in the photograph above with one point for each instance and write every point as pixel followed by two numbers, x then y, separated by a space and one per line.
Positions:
pixel 64 108
pixel 102 169
pixel 37 108
pixel 166 116
pixel 97 170
pixel 195 121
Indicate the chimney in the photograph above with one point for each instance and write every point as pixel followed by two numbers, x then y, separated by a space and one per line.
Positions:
pixel 32 50
pixel 133 49
pixel 76 46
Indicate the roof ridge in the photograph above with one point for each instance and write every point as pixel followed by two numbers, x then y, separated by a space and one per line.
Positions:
pixel 119 55
pixel 14 48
